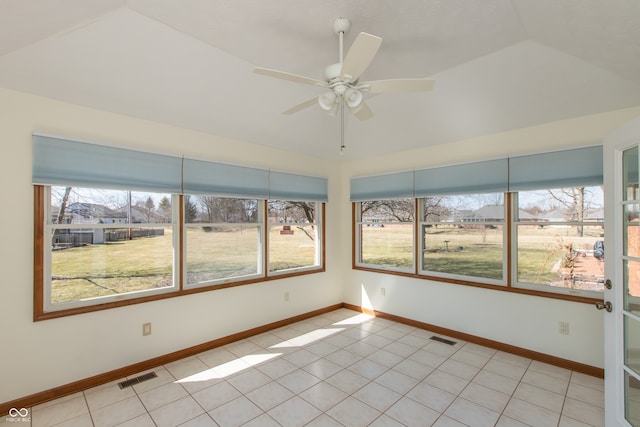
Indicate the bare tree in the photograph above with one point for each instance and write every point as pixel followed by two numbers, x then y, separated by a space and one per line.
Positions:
pixel 308 209
pixel 209 207
pixel 294 212
pixel 573 199
pixel 435 209
pixel 250 210
pixel 190 210
pixel 401 210
pixel 61 213
pixel 225 209
pixel 63 205
pixel 146 209
pixel 164 208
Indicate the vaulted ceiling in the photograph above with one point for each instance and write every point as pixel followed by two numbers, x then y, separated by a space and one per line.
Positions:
pixel 498 64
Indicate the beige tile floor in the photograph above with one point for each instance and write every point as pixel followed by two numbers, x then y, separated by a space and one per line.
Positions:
pixel 342 368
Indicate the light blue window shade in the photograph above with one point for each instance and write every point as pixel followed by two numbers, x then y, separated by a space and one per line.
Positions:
pixel 382 187
pixel 201 177
pixel 59 161
pixel 288 186
pixel 569 168
pixel 472 178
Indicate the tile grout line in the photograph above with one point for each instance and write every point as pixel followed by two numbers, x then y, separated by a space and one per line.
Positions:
pixel 470 381
pixel 405 352
pixel 511 396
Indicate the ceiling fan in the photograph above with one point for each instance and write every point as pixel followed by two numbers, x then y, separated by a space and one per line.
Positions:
pixel 343 79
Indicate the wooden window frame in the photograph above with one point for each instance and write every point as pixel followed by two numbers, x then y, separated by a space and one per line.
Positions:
pixel 509 287
pixel 40 314
pixel 397 270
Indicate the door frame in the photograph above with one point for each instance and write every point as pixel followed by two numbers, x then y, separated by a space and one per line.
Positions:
pixel 615 142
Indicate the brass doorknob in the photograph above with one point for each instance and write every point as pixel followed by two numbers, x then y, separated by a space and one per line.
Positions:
pixel 604 306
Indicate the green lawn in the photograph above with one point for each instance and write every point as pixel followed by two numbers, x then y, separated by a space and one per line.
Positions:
pixel 112 268
pixel 147 263
pixel 476 252
pixel 218 254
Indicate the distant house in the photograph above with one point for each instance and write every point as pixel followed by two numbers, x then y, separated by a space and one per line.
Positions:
pixel 562 215
pixel 495 213
pixel 556 215
pixel 596 215
pixel 487 213
pixel 89 213
pixel 92 213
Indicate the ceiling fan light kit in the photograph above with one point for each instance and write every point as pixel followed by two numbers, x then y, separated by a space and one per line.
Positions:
pixel 353 97
pixel 329 102
pixel 343 78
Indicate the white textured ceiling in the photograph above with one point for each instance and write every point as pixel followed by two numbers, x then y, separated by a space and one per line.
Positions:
pixel 499 64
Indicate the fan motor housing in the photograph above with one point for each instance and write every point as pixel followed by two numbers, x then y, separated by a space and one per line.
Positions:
pixel 332 71
pixel 341 25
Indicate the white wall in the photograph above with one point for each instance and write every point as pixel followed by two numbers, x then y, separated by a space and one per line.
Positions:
pixel 38 356
pixel 526 321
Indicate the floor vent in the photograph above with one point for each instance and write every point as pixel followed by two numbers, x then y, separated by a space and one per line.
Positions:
pixel 442 340
pixel 137 380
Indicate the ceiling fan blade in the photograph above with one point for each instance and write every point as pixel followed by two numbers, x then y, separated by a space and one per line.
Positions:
pixel 360 55
pixel 362 112
pixel 399 85
pixel 306 104
pixel 289 77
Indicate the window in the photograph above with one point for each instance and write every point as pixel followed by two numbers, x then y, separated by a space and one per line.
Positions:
pixel 107 245
pixel 385 230
pixel 223 239
pixel 560 239
pixel 294 236
pixel 529 224
pixel 631 234
pixel 114 226
pixel 102 248
pixel 463 236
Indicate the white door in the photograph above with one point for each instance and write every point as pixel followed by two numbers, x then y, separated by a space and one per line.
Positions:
pixel 622 268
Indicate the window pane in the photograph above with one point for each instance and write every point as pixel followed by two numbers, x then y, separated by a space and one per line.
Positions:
pixel 632 343
pixel 474 250
pixel 294 239
pixel 282 211
pixel 292 246
pixel 216 210
pixel 223 238
pixel 98 262
pixel 387 211
pixel 386 233
pixel 74 205
pixel 108 242
pixel 387 245
pixel 463 235
pixel 632 230
pixel 559 256
pixel 220 252
pixel 632 399
pixel 465 209
pixel 631 174
pixel 631 269
pixel 560 238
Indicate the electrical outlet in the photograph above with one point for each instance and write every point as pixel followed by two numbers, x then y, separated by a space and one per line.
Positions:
pixel 563 328
pixel 146 329
pixel 383 291
pixel 286 296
